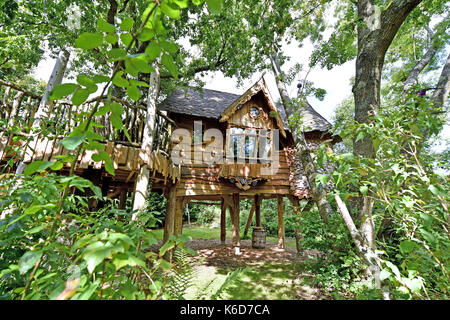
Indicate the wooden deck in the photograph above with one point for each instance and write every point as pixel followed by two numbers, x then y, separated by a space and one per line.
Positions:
pixel 18 107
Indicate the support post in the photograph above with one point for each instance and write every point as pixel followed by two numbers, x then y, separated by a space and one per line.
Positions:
pixel 280 223
pixel 250 216
pixel 235 221
pixel 223 221
pixel 258 211
pixel 123 199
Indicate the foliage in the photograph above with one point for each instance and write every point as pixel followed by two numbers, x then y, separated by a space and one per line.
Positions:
pixel 411 198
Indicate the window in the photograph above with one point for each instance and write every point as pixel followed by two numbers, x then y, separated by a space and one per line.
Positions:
pixel 248 144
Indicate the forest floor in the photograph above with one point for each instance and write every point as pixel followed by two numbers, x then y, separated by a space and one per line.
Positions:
pixel 268 273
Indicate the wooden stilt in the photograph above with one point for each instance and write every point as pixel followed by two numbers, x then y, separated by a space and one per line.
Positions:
pixel 123 199
pixel 223 221
pixel 258 211
pixel 235 221
pixel 178 227
pixel 250 216
pixel 280 223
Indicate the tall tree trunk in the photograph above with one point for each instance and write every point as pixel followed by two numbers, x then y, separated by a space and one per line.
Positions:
pixel 440 95
pixel 143 178
pixel 303 152
pixel 376 30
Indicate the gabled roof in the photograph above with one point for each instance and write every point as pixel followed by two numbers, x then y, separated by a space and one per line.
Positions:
pixel 259 86
pixel 212 104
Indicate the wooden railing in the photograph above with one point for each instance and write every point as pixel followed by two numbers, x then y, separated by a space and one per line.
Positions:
pixel 19 106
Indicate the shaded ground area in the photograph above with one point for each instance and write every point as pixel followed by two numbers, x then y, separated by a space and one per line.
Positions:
pixel 268 273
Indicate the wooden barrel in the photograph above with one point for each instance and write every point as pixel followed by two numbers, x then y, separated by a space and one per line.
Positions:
pixel 258 238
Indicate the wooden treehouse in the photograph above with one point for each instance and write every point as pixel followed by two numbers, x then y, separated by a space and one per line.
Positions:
pixel 209 147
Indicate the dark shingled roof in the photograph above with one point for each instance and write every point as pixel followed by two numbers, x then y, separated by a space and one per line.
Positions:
pixel 211 104
pixel 208 104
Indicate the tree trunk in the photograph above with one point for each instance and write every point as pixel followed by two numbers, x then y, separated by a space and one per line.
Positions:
pixel 440 95
pixel 303 152
pixel 365 251
pixel 143 177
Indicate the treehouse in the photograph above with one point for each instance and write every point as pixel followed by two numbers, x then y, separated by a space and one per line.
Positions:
pixel 208 147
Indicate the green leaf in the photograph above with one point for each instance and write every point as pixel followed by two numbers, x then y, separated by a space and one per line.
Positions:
pixel 57 166
pixel 28 260
pixel 137 64
pixel 360 136
pixel 80 96
pixel 323 178
pixel 37 166
pixel 89 40
pixel 167 61
pixel 181 3
pixel 122 260
pixel 364 190
pixel 85 80
pixel 104 26
pixel 117 108
pixel 63 90
pixel 116 121
pixel 146 34
pixel 103 110
pixel 169 46
pixel 414 285
pixel 100 79
pixel 407 246
pixel 384 274
pixel 168 10
pixel 116 54
pixel 126 39
pixel 214 6
pixel 119 81
pixel 436 191
pixel 153 50
pixel 127 24
pixel 73 142
pixel 112 38
pixel 134 93
pixel 166 246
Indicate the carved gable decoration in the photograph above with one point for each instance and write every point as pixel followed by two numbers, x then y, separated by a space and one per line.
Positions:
pixel 245 111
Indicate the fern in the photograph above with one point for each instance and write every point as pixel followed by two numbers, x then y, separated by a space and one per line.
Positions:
pixel 181 277
pixel 231 277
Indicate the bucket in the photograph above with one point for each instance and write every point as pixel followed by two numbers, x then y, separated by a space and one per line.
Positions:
pixel 258 238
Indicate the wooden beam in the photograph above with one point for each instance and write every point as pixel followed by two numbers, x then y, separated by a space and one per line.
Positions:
pixel 235 221
pixel 280 223
pixel 223 222
pixel 250 216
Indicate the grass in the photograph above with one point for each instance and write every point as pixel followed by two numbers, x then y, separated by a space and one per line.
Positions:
pixel 272 281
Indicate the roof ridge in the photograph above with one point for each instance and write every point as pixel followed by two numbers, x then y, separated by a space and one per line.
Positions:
pixel 236 94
